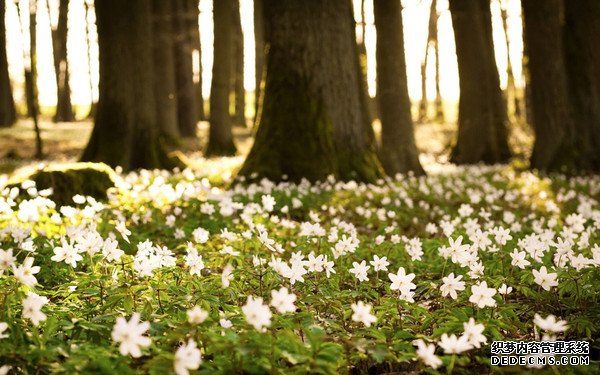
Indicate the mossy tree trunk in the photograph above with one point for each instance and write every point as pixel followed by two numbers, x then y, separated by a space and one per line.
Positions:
pixel 259 56
pixel 7 103
pixel 238 70
pixel 482 118
pixel 313 120
pixel 64 108
pixel 553 127
pixel 125 131
pixel 398 150
pixel 582 60
pixel 220 141
pixel 165 88
pixel 184 70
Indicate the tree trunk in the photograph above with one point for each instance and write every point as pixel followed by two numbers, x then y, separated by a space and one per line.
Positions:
pixel 371 108
pixel 88 40
pixel 313 122
pixel 512 96
pixel 193 13
pixel 582 60
pixel 398 150
pixel 220 140
pixel 259 55
pixel 431 39
pixel 165 89
pixel 553 148
pixel 64 109
pixel 482 119
pixel 7 104
pixel 31 91
pixel 125 132
pixel 184 71
pixel 238 71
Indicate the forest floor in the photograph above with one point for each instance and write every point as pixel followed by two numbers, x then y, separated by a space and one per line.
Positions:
pixel 64 142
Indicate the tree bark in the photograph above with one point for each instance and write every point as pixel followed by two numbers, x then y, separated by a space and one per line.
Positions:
pixel 88 41
pixel 64 108
pixel 184 71
pixel 125 131
pixel 582 59
pixel 259 56
pixel 398 150
pixel 220 140
pixel 165 89
pixel 8 113
pixel 313 122
pixel 193 13
pixel 553 127
pixel 482 119
pixel 238 71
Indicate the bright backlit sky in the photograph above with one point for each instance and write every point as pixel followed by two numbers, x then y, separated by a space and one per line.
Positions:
pixel 415 17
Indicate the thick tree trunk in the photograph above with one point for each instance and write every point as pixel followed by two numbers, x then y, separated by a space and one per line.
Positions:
pixel 7 104
pixel 582 60
pixel 398 150
pixel 184 71
pixel 165 89
pixel 482 119
pixel 220 140
pixel 238 71
pixel 64 109
pixel 552 124
pixel 259 55
pixel 193 12
pixel 125 131
pixel 313 120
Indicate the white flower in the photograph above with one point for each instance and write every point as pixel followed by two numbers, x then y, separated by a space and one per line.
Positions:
pixel 427 354
pixel 3 328
pixel 473 333
pixel 7 260
pixel 131 335
pixel 257 313
pixel 453 345
pixel 328 266
pixel 111 250
pixel 482 295
pixel 550 323
pixel 283 301
pixel 360 270
pixel 25 272
pixel 401 281
pixel 544 279
pixel 194 261
pixel 196 315
pixel 314 263
pixel 187 357
pixel 451 285
pixel 225 323
pixel 505 289
pixel 200 235
pixel 122 229
pixel 32 308
pixel 362 313
pixel 379 264
pixel 68 253
pixel 268 202
pixel 227 275
pixel 518 259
